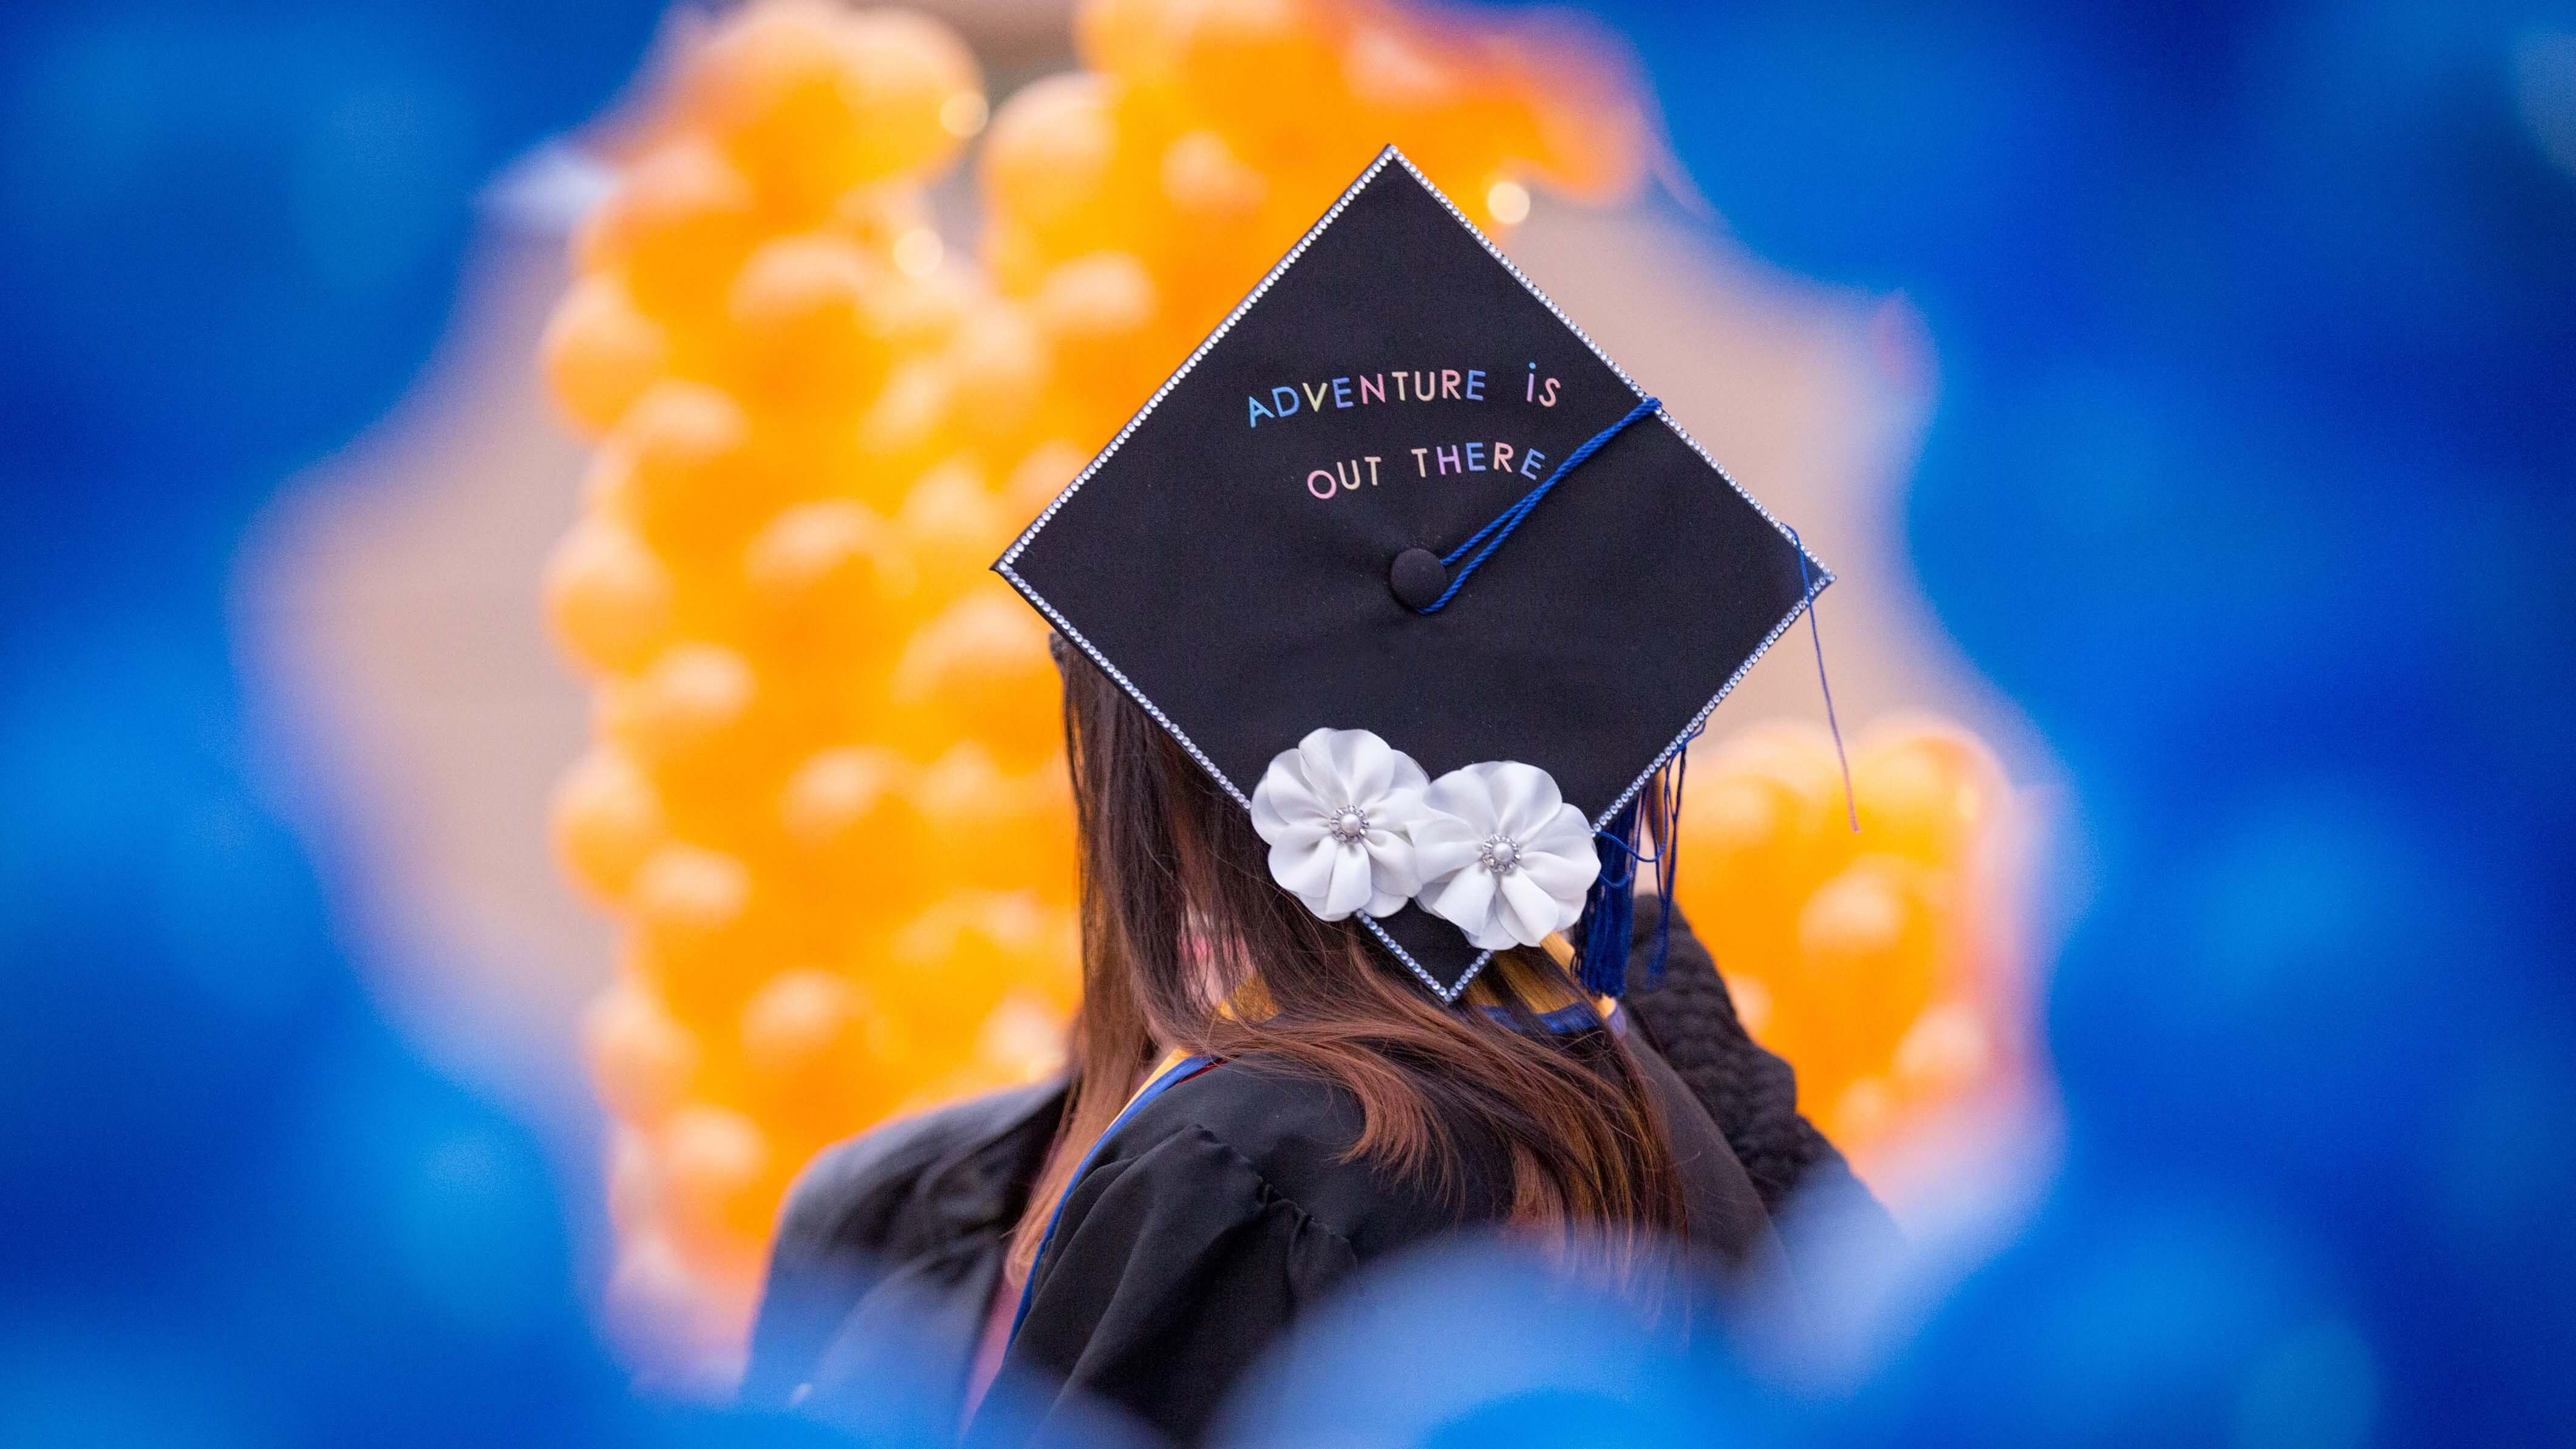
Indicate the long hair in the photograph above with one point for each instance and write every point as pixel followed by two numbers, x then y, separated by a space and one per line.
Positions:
pixel 1188 945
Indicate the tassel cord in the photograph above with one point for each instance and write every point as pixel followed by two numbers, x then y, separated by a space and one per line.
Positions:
pixel 1491 536
pixel 1806 584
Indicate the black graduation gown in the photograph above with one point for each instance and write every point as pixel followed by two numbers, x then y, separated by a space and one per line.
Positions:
pixel 1206 1223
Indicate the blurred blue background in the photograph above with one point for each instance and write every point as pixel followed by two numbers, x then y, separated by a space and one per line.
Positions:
pixel 240 1210
pixel 2249 481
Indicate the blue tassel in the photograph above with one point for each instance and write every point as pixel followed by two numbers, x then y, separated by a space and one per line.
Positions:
pixel 1667 861
pixel 1610 913
pixel 1611 908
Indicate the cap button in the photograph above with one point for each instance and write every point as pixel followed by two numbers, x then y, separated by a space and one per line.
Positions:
pixel 1418 578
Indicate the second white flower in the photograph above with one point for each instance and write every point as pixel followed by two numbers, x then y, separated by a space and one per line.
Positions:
pixel 1502 856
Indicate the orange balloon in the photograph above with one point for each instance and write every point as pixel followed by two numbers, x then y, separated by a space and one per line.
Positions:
pixel 608 597
pixel 1748 855
pixel 1752 997
pixel 802 327
pixel 811 99
pixel 917 308
pixel 829 576
pixel 1013 255
pixel 1208 184
pixel 600 352
pixel 1866 965
pixel 1926 788
pixel 678 224
pixel 607 819
pixel 641 1059
pixel 1404 75
pixel 1800 759
pixel 1098 313
pixel 771 86
pixel 999 367
pixel 1269 70
pixel 805 1038
pixel 1430 94
pixel 849 814
pixel 1760 829
pixel 947 969
pixel 691 479
pixel 993 828
pixel 1136 40
pixel 1860 1111
pixel 876 214
pixel 982 668
pixel 1948 1051
pixel 1043 473
pixel 1052 162
pixel 693 703
pixel 918 90
pixel 905 428
pixel 1022 1039
pixel 719 1174
pixel 794 1025
pixel 694 906
pixel 954 528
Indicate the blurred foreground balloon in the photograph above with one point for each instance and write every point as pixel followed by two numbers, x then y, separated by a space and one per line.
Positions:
pixel 828 800
pixel 1481 1343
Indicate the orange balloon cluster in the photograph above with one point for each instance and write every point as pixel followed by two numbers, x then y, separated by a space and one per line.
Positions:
pixel 1135 203
pixel 1875 962
pixel 826 801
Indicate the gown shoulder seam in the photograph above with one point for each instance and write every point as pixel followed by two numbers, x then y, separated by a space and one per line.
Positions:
pixel 1272 1191
pixel 1275 1191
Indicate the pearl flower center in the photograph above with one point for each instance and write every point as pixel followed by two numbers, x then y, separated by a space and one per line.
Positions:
pixel 1500 854
pixel 1349 825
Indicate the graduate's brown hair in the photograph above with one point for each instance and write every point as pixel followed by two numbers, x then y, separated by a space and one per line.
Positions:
pixel 1189 945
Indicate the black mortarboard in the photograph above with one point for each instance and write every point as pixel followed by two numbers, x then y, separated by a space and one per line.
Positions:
pixel 1251 557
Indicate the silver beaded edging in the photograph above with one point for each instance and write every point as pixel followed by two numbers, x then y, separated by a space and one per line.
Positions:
pixel 1002 566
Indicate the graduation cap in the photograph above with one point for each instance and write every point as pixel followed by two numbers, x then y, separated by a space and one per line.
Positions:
pixel 1423 579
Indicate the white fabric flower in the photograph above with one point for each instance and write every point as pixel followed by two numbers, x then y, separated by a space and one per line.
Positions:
pixel 1501 854
pixel 1338 812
